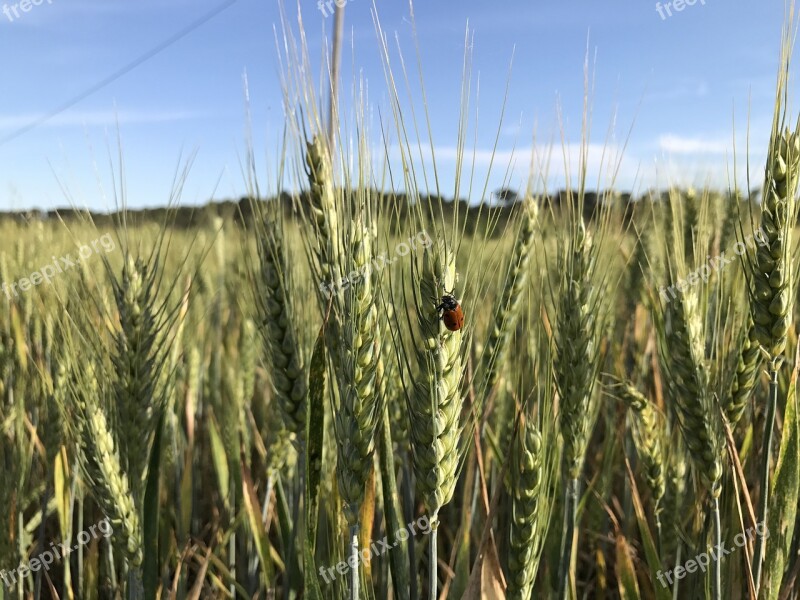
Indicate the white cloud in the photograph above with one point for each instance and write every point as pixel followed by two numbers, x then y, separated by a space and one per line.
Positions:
pixel 676 144
pixel 551 166
pixel 672 160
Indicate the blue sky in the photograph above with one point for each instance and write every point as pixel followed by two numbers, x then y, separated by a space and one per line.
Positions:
pixel 677 81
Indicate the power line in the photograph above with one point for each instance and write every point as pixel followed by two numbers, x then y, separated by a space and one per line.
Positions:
pixel 119 73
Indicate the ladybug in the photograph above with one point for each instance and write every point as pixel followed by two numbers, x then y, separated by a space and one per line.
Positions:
pixel 452 315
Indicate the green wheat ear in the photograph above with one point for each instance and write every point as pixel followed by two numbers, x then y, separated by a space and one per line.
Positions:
pixel 278 329
pixel 689 390
pixel 435 402
pixel 577 351
pixel 745 376
pixel 772 285
pixel 358 357
pixel 529 512
pixel 325 217
pixel 648 431
pixel 111 484
pixel 513 289
pixel 137 364
pixel 101 462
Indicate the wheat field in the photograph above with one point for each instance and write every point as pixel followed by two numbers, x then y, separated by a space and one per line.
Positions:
pixel 282 401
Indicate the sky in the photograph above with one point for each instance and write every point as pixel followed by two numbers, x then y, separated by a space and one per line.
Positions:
pixel 160 82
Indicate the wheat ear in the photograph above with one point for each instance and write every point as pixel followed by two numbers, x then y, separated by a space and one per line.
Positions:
pixel 359 352
pixel 576 363
pixel 137 364
pixel 771 275
pixel 576 352
pixel 435 401
pixel 325 219
pixel 528 511
pixel 698 421
pixel 744 377
pixel 102 466
pixel 507 310
pixel 682 354
pixel 771 297
pixel 277 328
pixel 648 430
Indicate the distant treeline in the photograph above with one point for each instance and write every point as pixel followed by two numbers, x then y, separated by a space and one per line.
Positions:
pixel 396 205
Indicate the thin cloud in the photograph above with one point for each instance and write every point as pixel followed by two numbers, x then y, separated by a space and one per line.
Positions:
pixel 681 89
pixel 99 118
pixel 550 167
pixel 676 144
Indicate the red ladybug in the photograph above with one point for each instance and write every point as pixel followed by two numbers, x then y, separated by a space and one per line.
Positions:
pixel 452 315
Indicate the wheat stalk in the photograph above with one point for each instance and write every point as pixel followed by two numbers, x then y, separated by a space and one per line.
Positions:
pixel 435 401
pixel 576 364
pixel 771 295
pixel 682 358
